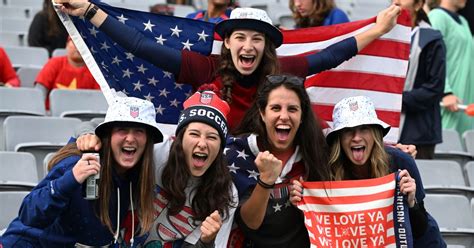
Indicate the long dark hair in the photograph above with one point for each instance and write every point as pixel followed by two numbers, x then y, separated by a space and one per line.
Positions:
pixel 420 13
pixel 229 74
pixel 214 189
pixel 54 26
pixel 309 137
pixel 321 9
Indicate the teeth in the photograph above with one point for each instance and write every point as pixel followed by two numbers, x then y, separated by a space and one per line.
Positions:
pixel 357 147
pixel 129 149
pixel 247 56
pixel 200 154
pixel 283 127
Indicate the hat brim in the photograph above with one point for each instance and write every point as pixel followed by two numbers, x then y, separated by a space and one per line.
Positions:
pixel 333 132
pixel 226 26
pixel 103 128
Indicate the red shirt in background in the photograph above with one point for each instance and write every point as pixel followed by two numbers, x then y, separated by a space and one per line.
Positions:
pixel 7 73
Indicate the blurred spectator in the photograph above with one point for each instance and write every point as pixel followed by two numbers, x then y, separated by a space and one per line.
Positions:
pixel 8 75
pixel 314 13
pixel 65 72
pixel 217 10
pixel 46 30
pixel 162 9
pixel 459 87
pixel 468 13
pixel 424 84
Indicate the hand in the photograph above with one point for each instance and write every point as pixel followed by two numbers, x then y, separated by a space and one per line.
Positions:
pixel 73 7
pixel 407 186
pixel 387 19
pixel 268 166
pixel 296 193
pixel 85 167
pixel 210 227
pixel 408 149
pixel 450 102
pixel 88 142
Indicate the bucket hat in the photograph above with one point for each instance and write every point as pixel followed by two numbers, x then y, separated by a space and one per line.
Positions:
pixel 352 112
pixel 253 19
pixel 131 110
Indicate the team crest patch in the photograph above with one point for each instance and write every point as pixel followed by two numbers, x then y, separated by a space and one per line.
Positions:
pixel 134 111
pixel 206 98
pixel 353 106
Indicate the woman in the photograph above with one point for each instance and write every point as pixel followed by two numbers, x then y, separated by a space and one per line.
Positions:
pixel 280 140
pixel 357 152
pixel 315 13
pixel 425 83
pixel 46 30
pixel 193 182
pixel 55 213
pixel 247 56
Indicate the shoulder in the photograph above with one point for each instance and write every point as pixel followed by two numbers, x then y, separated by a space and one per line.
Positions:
pixel 399 159
pixel 338 16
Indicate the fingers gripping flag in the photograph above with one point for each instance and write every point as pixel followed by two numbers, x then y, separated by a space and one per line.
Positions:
pixel 378 71
pixel 356 213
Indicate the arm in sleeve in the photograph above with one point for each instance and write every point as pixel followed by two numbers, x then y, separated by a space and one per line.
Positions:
pixel 135 42
pixel 431 91
pixel 332 56
pixel 51 197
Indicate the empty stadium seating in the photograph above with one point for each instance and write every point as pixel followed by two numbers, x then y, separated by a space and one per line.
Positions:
pixel 83 104
pixel 11 202
pixel 468 138
pixel 27 56
pixel 17 170
pixel 452 148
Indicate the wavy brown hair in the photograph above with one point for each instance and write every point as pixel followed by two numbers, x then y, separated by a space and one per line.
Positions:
pixel 54 24
pixel 143 187
pixel 68 150
pixel 212 193
pixel 309 137
pixel 420 14
pixel 341 166
pixel 321 9
pixel 229 74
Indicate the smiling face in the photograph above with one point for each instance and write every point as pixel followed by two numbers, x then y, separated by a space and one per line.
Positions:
pixel 282 118
pixel 128 145
pixel 246 48
pixel 357 143
pixel 201 144
pixel 304 7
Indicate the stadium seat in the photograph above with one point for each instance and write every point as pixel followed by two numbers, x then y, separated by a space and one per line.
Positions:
pixel 13 38
pixel 286 21
pixel 16 24
pixel 83 104
pixel 443 176
pixel 46 160
pixel 468 138
pixel 27 56
pixel 11 202
pixel 454 216
pixel 451 148
pixel 28 75
pixel 38 135
pixel 17 12
pixel 469 172
pixel 59 52
pixel 181 10
pixel 19 101
pixel 25 3
pixel 17 171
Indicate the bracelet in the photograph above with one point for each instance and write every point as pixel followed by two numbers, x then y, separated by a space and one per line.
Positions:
pixel 265 185
pixel 87 10
pixel 91 13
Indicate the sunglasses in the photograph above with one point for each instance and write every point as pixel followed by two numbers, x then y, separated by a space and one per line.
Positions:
pixel 278 79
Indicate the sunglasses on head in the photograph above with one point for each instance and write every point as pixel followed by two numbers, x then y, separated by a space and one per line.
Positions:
pixel 278 79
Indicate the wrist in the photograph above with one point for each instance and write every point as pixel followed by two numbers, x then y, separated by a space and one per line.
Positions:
pixel 264 184
pixel 90 11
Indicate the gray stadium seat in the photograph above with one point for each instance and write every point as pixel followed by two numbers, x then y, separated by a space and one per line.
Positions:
pixel 19 101
pixel 11 202
pixel 287 21
pixel 13 38
pixel 469 172
pixel 454 216
pixel 46 160
pixel 25 3
pixel 16 24
pixel 59 52
pixel 27 56
pixel 83 104
pixel 181 10
pixel 38 135
pixel 468 138
pixel 452 148
pixel 443 176
pixel 28 75
pixel 17 12
pixel 18 170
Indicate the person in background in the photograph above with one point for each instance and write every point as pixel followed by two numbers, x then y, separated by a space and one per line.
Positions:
pixel 248 53
pixel 46 30
pixel 56 214
pixel 193 181
pixel 217 11
pixel 315 13
pixel 65 72
pixel 468 13
pixel 279 140
pixel 8 76
pixel 424 83
pixel 459 85
pixel 357 152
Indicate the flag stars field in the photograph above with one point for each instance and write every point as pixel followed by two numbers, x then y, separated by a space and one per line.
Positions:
pixel 148 26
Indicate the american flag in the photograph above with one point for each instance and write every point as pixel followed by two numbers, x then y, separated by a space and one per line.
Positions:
pixel 378 71
pixel 356 213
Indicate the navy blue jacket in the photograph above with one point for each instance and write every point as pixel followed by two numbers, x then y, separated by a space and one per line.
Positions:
pixel 421 104
pixel 55 214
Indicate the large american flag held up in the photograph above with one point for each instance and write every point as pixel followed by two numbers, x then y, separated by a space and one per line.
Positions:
pixel 378 71
pixel 356 213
